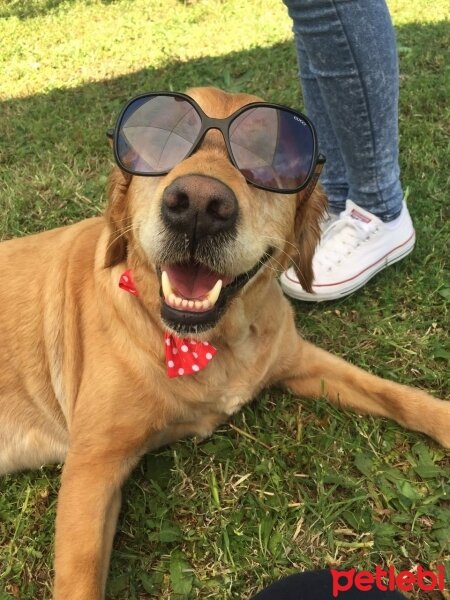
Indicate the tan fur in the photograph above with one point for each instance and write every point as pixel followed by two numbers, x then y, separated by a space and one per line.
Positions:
pixel 82 372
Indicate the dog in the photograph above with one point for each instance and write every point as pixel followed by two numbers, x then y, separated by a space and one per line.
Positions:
pixel 86 370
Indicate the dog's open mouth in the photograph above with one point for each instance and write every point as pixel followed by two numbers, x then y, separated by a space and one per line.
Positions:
pixel 194 296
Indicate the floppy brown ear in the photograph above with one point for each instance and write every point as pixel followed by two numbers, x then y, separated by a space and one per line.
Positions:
pixel 311 210
pixel 117 217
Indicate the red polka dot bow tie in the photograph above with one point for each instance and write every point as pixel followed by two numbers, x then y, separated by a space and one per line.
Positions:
pixel 184 356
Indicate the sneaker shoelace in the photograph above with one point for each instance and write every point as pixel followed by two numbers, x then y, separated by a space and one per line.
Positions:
pixel 340 239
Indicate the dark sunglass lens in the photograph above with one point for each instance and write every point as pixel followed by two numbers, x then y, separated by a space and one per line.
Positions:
pixel 272 147
pixel 156 133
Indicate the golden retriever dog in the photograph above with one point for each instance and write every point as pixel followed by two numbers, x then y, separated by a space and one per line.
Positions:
pixel 83 372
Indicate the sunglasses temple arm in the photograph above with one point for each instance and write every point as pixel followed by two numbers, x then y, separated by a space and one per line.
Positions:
pixel 306 193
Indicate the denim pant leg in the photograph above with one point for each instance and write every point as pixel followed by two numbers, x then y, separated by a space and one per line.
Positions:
pixel 350 71
pixel 334 176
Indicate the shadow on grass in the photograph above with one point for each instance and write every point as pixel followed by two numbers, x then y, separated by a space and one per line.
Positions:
pixel 51 143
pixel 60 111
pixel 55 141
pixel 45 121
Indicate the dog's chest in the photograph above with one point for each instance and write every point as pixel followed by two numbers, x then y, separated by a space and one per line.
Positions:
pixel 202 417
pixel 212 404
pixel 231 401
pixel 235 376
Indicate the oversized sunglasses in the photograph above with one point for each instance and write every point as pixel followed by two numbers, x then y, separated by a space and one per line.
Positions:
pixel 274 147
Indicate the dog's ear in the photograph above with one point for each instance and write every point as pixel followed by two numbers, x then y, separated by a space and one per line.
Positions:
pixel 311 210
pixel 117 217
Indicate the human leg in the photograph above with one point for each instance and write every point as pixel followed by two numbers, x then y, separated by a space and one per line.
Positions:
pixel 349 69
pixel 334 175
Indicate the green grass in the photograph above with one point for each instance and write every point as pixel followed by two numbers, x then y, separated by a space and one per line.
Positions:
pixel 318 487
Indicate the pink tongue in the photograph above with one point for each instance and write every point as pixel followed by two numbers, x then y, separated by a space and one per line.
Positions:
pixel 192 280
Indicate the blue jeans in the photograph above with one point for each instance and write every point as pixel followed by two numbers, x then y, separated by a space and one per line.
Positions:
pixel 349 71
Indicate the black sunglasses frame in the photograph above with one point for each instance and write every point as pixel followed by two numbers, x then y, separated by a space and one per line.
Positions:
pixel 223 125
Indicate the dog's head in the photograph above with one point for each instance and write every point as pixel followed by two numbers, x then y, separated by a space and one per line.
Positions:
pixel 204 231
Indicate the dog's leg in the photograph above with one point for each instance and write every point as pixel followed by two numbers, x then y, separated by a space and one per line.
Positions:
pixel 110 530
pixel 315 372
pixel 88 505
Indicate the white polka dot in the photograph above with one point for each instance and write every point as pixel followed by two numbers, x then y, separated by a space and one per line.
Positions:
pixel 195 368
pixel 167 342
pixel 205 343
pixel 125 278
pixel 184 348
pixel 180 371
pixel 170 364
pixel 195 355
pixel 208 355
pixel 174 351
pixel 193 342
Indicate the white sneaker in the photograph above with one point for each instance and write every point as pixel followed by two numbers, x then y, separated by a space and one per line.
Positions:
pixel 353 248
pixel 327 221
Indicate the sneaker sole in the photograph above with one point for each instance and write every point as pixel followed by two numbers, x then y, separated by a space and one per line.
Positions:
pixel 291 287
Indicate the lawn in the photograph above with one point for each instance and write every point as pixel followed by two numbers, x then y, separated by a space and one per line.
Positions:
pixel 286 486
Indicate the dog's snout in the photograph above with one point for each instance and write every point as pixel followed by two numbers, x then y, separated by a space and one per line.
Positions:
pixel 199 205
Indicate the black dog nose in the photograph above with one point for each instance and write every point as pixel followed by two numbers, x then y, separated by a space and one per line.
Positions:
pixel 199 205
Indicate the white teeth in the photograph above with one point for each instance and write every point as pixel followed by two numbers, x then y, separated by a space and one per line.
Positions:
pixel 213 294
pixel 165 283
pixel 174 300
